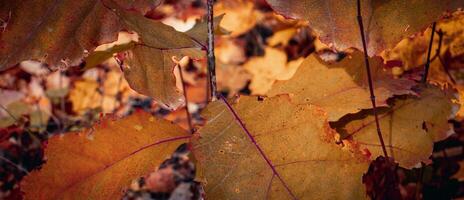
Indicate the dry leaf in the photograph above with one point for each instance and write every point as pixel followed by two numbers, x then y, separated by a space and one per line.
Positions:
pixel 240 16
pixel 386 22
pixel 266 70
pixel 287 153
pixel 101 166
pixel 52 31
pixel 409 127
pixel 150 72
pixel 341 88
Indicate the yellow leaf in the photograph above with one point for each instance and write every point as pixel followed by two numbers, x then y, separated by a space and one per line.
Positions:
pixel 341 88
pixel 286 151
pixel 101 167
pixel 409 127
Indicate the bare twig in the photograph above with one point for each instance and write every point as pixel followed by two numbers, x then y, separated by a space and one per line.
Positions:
pixel 189 118
pixel 427 64
pixel 369 78
pixel 210 51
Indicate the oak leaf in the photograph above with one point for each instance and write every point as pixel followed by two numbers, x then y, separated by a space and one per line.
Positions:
pixel 286 151
pixel 341 88
pixel 409 127
pixel 386 22
pixel 100 165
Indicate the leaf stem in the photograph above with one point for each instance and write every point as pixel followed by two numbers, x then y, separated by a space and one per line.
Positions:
pixel 189 118
pixel 369 78
pixel 427 64
pixel 210 52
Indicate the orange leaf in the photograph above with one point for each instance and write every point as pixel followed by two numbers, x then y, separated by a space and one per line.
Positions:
pixel 102 164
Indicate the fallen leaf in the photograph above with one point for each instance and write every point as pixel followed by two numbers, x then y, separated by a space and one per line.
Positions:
pixel 409 127
pixel 281 37
pixel 84 96
pixel 285 152
pixel 240 16
pixel 231 78
pixel 385 22
pixel 101 167
pixel 267 69
pixel 341 88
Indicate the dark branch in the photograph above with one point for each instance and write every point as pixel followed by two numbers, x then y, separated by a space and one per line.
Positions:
pixel 427 64
pixel 369 78
pixel 210 51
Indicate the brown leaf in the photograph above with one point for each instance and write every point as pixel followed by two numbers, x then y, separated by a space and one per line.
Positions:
pixel 386 22
pixel 150 72
pixel 151 65
pixel 341 88
pixel 102 164
pixel 287 151
pixel 52 31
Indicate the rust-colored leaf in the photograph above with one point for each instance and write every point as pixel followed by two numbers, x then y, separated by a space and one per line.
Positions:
pixel 341 88
pixel 101 164
pixel 287 151
pixel 386 22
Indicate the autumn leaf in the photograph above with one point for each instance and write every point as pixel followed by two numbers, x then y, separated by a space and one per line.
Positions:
pixel 240 16
pixel 341 88
pixel 409 127
pixel 150 72
pixel 102 163
pixel 386 22
pixel 286 151
pixel 413 51
pixel 57 33
pixel 151 65
pixel 198 32
pixel 98 57
pixel 269 68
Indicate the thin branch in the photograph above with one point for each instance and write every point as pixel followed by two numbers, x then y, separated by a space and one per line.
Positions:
pixel 10 114
pixel 427 64
pixel 210 52
pixel 189 118
pixel 369 78
pixel 15 165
